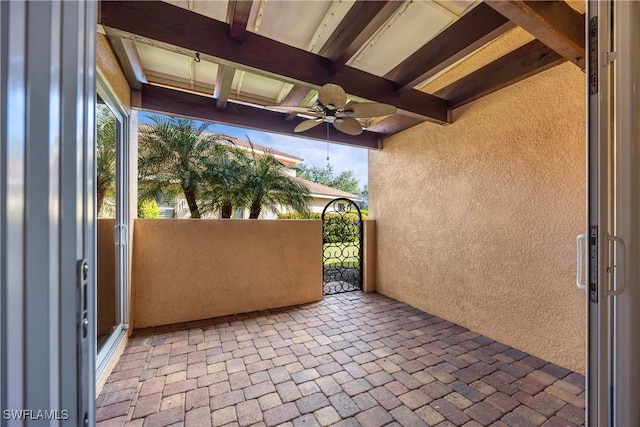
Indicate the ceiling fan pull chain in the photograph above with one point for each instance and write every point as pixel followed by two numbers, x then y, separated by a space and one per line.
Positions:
pixel 327 142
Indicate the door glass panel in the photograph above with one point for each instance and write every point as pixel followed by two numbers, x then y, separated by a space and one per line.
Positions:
pixel 107 135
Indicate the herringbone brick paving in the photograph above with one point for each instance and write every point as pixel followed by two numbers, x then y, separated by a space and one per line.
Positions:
pixel 350 360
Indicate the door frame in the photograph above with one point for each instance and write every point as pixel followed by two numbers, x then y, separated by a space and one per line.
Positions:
pixel 121 234
pixel 613 300
pixel 47 160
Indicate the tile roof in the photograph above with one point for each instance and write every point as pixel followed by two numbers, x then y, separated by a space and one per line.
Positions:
pixel 246 144
pixel 320 189
pixel 258 147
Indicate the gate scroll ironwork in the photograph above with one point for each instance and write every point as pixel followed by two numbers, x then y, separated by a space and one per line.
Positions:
pixel 341 247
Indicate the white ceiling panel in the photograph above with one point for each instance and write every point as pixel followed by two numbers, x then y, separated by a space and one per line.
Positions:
pixel 164 61
pixel 238 77
pixel 398 39
pixel 258 86
pixel 169 63
pixel 213 9
pixel 459 7
pixel 291 22
pixel 206 72
pixel 329 23
pixel 286 88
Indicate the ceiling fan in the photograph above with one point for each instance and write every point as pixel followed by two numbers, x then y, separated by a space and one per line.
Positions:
pixel 333 107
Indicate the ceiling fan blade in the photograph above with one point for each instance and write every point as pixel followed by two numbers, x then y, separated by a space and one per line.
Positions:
pixel 332 96
pixel 348 125
pixel 305 110
pixel 362 110
pixel 307 124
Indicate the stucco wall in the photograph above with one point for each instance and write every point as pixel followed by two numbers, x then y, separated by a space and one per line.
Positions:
pixel 476 221
pixel 187 270
pixel 109 69
pixel 369 256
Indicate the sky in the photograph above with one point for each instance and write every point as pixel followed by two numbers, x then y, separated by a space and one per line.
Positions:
pixel 313 152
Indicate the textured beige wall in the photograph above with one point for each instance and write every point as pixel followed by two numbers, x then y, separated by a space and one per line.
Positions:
pixel 187 270
pixel 369 256
pixel 476 221
pixel 110 71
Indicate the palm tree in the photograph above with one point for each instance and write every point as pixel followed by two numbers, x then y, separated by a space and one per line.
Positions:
pixel 106 129
pixel 175 152
pixel 224 177
pixel 267 185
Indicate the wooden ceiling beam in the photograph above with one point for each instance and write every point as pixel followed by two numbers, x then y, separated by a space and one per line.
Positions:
pixel 393 124
pixel 530 59
pixel 129 59
pixel 237 17
pixel 295 96
pixel 474 30
pixel 168 101
pixel 359 25
pixel 293 99
pixel 197 33
pixel 224 80
pixel 554 23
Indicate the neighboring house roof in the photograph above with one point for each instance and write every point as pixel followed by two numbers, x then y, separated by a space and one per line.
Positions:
pixel 257 147
pixel 280 155
pixel 323 190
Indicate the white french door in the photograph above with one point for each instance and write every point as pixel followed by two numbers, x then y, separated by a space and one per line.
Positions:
pixel 47 258
pixel 613 235
pixel 112 194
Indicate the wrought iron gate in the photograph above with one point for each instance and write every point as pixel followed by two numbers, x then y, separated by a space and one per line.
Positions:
pixel 341 247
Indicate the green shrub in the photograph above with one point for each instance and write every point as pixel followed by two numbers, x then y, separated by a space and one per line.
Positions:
pixel 148 209
pixel 298 215
pixel 341 228
pixel 316 215
pixel 337 228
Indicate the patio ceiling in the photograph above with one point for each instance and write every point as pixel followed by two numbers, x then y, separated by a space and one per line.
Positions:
pixel 252 54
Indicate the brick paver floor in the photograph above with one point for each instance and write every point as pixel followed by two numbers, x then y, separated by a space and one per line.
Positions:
pixel 350 360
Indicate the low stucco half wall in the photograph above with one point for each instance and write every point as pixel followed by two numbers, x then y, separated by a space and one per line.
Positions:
pixel 187 270
pixel 476 221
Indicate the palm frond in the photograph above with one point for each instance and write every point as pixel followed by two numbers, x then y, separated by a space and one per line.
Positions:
pixel 270 187
pixel 176 151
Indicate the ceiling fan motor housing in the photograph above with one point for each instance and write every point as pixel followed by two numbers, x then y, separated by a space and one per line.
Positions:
pixel 331 111
pixel 334 107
